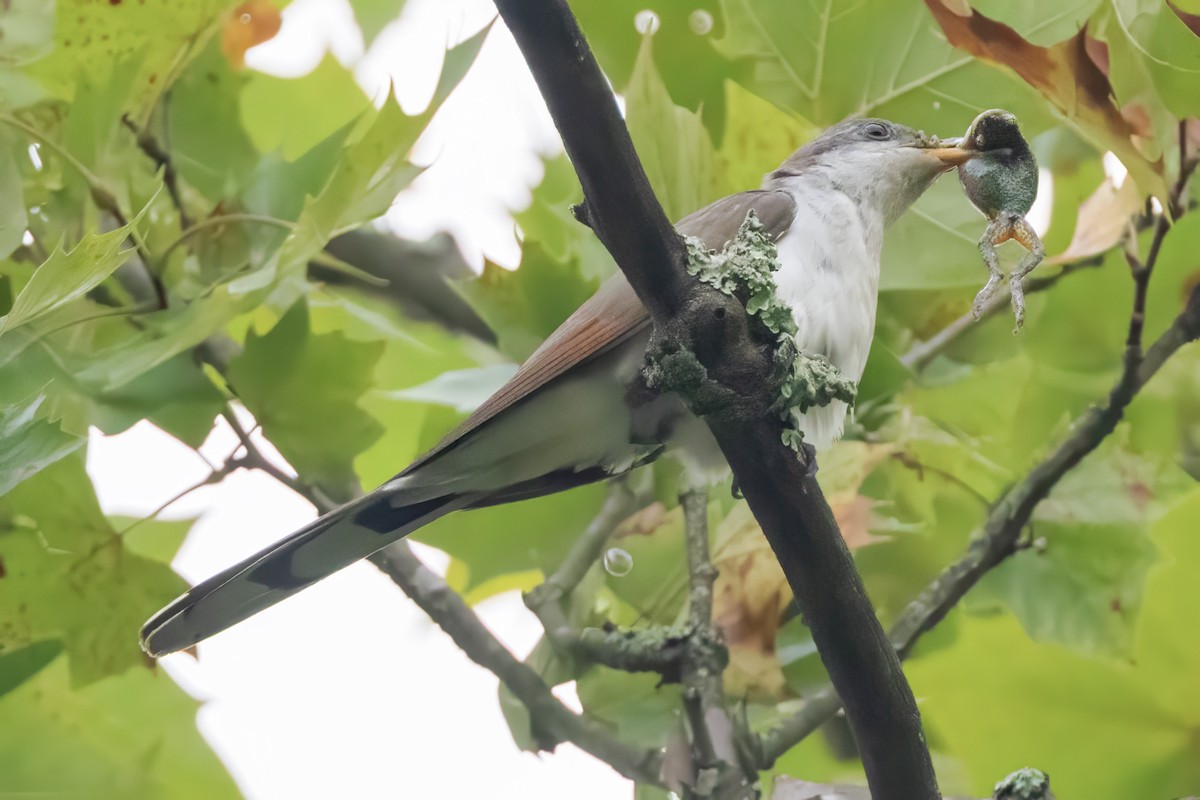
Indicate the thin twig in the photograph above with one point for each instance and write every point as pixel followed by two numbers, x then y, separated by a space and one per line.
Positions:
pixel 714 745
pixel 149 145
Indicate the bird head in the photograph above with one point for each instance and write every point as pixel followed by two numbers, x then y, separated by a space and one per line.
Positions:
pixel 878 163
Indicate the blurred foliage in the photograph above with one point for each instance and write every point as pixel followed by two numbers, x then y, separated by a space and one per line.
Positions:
pixel 1073 656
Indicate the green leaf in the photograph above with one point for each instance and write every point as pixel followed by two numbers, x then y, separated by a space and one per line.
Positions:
pixel 13 220
pixel 524 306
pixel 31 443
pixel 1151 49
pixel 157 37
pixel 1083 589
pixel 671 142
pixel 303 389
pixel 1037 23
pixel 21 665
pixel 374 15
pixel 209 145
pixel 548 222
pixel 132 735
pixel 639 709
pixel 874 58
pixel 517 537
pixel 463 390
pixel 157 539
pixel 935 245
pixel 992 699
pixel 69 575
pixel 692 68
pixel 292 115
pixel 758 136
pixel 176 396
pixel 67 276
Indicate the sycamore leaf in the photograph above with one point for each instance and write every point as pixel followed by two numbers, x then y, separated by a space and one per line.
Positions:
pixel 130 735
pixel 304 389
pixel 68 575
pixel 18 666
pixel 66 276
pixel 672 143
pixel 13 219
pixel 31 443
pixel 292 115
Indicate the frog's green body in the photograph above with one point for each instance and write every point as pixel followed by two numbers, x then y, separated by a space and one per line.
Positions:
pixel 1002 181
pixel 1001 184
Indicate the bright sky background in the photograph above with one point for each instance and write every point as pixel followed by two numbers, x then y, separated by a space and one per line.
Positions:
pixel 348 690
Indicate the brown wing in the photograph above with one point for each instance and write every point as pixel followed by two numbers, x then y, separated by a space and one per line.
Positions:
pixel 614 314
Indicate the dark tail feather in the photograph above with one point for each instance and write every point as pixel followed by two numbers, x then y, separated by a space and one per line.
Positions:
pixel 338 539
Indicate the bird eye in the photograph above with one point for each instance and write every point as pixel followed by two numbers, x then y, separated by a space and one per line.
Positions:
pixel 876 131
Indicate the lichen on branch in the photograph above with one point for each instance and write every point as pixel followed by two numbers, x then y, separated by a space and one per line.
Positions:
pixel 745 270
pixel 1024 784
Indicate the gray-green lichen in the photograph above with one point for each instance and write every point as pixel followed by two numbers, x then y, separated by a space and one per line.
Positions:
pixel 745 269
pixel 1024 784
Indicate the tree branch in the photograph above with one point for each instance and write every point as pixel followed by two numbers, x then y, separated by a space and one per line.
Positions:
pixel 704 661
pixel 786 501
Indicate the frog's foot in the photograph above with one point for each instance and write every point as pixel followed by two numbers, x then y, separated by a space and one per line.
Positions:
pixel 997 231
pixel 1027 236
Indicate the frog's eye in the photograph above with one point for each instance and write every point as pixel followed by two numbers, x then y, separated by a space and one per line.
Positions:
pixel 876 131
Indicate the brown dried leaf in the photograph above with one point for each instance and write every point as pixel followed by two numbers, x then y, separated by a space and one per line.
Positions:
pixel 250 24
pixel 1066 76
pixel 1101 222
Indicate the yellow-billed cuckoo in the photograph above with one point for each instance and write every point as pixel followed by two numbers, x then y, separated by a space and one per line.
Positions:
pixel 578 411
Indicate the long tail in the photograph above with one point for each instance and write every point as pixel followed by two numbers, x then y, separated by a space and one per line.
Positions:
pixel 337 539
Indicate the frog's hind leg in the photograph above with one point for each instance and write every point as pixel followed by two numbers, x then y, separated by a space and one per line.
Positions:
pixel 1027 236
pixel 997 232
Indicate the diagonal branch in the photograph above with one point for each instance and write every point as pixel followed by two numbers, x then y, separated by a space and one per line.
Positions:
pixel 786 501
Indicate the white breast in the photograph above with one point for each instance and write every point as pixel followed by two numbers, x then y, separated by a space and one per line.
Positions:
pixel 829 274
